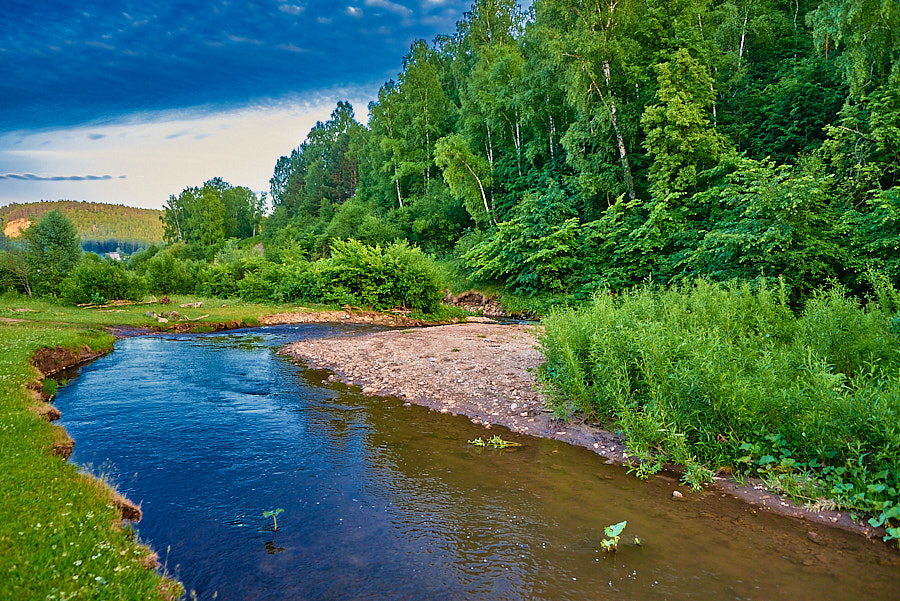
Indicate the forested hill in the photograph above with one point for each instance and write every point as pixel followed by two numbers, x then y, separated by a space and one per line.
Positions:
pixel 102 227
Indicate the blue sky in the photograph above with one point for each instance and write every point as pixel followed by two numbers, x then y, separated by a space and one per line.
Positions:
pixel 129 101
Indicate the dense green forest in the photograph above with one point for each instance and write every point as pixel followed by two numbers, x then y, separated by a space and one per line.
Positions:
pixel 102 227
pixel 586 145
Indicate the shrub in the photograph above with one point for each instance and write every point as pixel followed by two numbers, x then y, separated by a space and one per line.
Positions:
pixel 167 274
pixel 398 276
pixel 260 280
pixel 98 281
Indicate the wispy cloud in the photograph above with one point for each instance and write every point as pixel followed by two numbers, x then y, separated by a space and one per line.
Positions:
pixel 291 9
pixel 56 178
pixel 390 6
pixel 354 11
pixel 291 48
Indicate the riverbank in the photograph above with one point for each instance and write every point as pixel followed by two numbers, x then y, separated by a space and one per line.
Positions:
pixel 486 371
pixel 61 532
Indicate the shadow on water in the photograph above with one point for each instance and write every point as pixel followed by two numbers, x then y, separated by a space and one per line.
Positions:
pixel 383 501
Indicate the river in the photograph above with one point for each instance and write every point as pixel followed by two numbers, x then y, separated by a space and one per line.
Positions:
pixel 386 501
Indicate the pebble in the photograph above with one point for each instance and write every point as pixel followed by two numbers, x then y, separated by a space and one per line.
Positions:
pixel 676 494
pixel 815 537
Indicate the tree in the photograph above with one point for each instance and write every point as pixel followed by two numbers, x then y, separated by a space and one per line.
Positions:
pixel 466 174
pixel 14 266
pixel 679 135
pixel 52 248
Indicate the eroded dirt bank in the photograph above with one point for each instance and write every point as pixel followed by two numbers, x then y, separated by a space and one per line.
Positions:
pixel 486 371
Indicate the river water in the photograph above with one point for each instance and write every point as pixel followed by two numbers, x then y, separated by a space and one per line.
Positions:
pixel 382 501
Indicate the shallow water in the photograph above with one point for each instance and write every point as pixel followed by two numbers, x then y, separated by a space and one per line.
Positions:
pixel 383 501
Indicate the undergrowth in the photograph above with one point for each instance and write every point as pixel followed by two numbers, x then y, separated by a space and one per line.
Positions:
pixel 713 376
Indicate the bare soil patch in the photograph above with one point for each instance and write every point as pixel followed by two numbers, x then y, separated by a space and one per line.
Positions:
pixel 347 315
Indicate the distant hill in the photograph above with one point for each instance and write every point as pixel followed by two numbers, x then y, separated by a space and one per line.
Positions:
pixel 102 227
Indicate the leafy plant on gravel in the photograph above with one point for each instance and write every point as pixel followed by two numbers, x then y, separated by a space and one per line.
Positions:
pixel 494 441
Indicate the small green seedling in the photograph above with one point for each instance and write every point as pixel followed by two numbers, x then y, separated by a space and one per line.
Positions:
pixel 274 515
pixel 494 441
pixel 614 531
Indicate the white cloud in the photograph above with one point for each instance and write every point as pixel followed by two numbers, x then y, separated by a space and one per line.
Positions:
pixel 241 39
pixel 390 6
pixel 150 156
pixel 291 9
pixel 291 48
pixel 354 11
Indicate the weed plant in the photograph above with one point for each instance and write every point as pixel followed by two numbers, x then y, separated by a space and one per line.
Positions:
pixel 714 376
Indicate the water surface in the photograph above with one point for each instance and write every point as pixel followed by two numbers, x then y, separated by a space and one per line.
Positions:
pixel 383 501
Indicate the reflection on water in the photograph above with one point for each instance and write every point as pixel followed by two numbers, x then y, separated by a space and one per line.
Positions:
pixel 383 501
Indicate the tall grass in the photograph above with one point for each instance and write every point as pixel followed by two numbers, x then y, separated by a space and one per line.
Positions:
pixel 713 376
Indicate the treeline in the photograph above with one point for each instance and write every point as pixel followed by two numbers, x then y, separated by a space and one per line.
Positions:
pixel 101 227
pixel 584 145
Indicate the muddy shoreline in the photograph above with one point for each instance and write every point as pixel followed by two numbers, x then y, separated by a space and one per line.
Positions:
pixel 486 372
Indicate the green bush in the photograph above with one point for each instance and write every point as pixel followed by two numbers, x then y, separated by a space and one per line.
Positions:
pixel 220 280
pixel 300 280
pixel 97 281
pixel 165 273
pixel 369 276
pixel 711 376
pixel 260 280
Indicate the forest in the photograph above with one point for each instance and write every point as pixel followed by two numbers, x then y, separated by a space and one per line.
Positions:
pixel 675 182
pixel 593 145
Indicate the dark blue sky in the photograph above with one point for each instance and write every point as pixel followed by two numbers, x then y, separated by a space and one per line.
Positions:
pixel 65 63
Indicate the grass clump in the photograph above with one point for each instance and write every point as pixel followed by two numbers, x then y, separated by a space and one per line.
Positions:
pixel 713 376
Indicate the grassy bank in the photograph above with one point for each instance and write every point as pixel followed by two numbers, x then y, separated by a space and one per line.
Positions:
pixel 61 536
pixel 712 377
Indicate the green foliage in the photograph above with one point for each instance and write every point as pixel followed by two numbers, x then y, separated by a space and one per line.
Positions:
pixel 98 281
pixel 773 221
pixel 52 248
pixel 397 276
pixel 613 532
pixel 467 175
pixel 706 375
pixel 274 515
pixel 535 251
pixel 166 273
pixel 494 441
pixel 260 281
pixel 356 219
pixel 207 215
pixel 679 136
